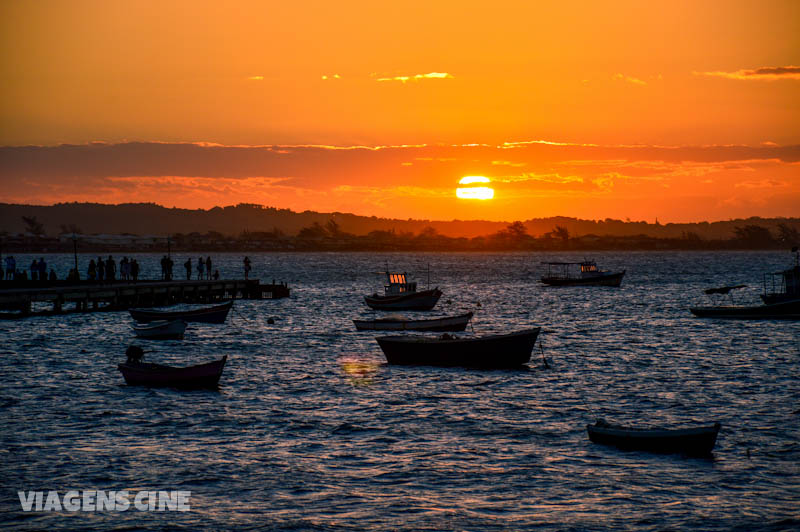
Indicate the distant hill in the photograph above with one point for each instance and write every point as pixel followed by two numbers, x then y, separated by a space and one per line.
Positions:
pixel 152 219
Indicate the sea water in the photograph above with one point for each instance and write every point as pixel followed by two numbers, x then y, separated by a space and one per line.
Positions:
pixel 311 430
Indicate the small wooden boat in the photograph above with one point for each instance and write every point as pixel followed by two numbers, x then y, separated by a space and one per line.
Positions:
pixel 399 294
pixel 694 441
pixel 447 323
pixel 589 275
pixel 156 375
pixel 495 351
pixel 215 314
pixel 161 330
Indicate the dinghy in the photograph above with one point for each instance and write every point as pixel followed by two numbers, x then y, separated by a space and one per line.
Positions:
pixel 693 441
pixel 161 330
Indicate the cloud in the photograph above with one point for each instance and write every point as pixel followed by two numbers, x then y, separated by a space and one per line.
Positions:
pixel 256 78
pixel 363 178
pixel 629 79
pixel 418 77
pixel 761 73
pixel 326 77
pixel 762 183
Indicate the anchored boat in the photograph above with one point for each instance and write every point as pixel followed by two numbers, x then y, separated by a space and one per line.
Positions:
pixel 694 441
pixel 215 314
pixel 561 274
pixel 447 323
pixel 495 351
pixel 781 296
pixel 138 373
pixel 161 330
pixel 400 294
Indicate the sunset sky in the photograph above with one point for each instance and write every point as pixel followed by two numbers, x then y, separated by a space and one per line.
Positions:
pixel 684 111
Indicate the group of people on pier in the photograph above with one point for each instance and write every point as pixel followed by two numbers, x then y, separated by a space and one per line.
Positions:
pixel 38 271
pixel 203 269
pixel 105 270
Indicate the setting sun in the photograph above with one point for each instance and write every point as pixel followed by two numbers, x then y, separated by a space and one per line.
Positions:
pixel 474 192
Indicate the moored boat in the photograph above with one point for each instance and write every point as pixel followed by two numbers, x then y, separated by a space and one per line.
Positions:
pixel 400 294
pixel 788 310
pixel 694 441
pixel 589 275
pixel 446 323
pixel 781 297
pixel 161 330
pixel 214 314
pixel 157 375
pixel 494 351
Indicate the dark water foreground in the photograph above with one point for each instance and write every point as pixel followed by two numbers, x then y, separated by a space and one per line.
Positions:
pixel 311 431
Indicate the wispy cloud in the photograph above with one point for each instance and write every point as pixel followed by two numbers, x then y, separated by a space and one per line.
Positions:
pixel 418 77
pixel 256 78
pixel 629 79
pixel 327 77
pixel 761 73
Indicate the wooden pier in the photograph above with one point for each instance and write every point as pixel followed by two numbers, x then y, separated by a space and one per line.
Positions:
pixel 20 298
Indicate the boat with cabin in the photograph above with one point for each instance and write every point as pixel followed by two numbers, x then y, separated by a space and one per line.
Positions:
pixel 781 297
pixel 563 274
pixel 446 323
pixel 400 294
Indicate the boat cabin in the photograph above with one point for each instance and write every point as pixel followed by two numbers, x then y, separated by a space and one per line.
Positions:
pixel 783 285
pixel 398 284
pixel 563 270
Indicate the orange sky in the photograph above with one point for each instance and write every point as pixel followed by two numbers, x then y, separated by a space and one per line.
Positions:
pixel 684 75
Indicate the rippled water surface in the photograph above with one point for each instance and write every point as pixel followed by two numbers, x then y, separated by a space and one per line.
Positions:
pixel 310 430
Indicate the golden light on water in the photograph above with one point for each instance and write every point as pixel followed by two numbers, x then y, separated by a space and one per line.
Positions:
pixel 474 192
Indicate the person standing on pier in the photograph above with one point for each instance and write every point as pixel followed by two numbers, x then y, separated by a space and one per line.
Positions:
pixel 91 272
pixel 247 268
pixel 42 269
pixel 101 270
pixel 135 270
pixel 34 270
pixel 111 269
pixel 164 268
pixel 208 267
pixel 11 267
pixel 200 265
pixel 188 266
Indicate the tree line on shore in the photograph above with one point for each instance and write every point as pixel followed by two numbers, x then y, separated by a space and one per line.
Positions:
pixel 330 237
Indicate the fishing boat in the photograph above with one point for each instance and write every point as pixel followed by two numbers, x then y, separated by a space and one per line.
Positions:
pixel 694 441
pixel 161 330
pixel 215 314
pixel 137 373
pixel 781 297
pixel 446 323
pixel 400 294
pixel 561 274
pixel 494 351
